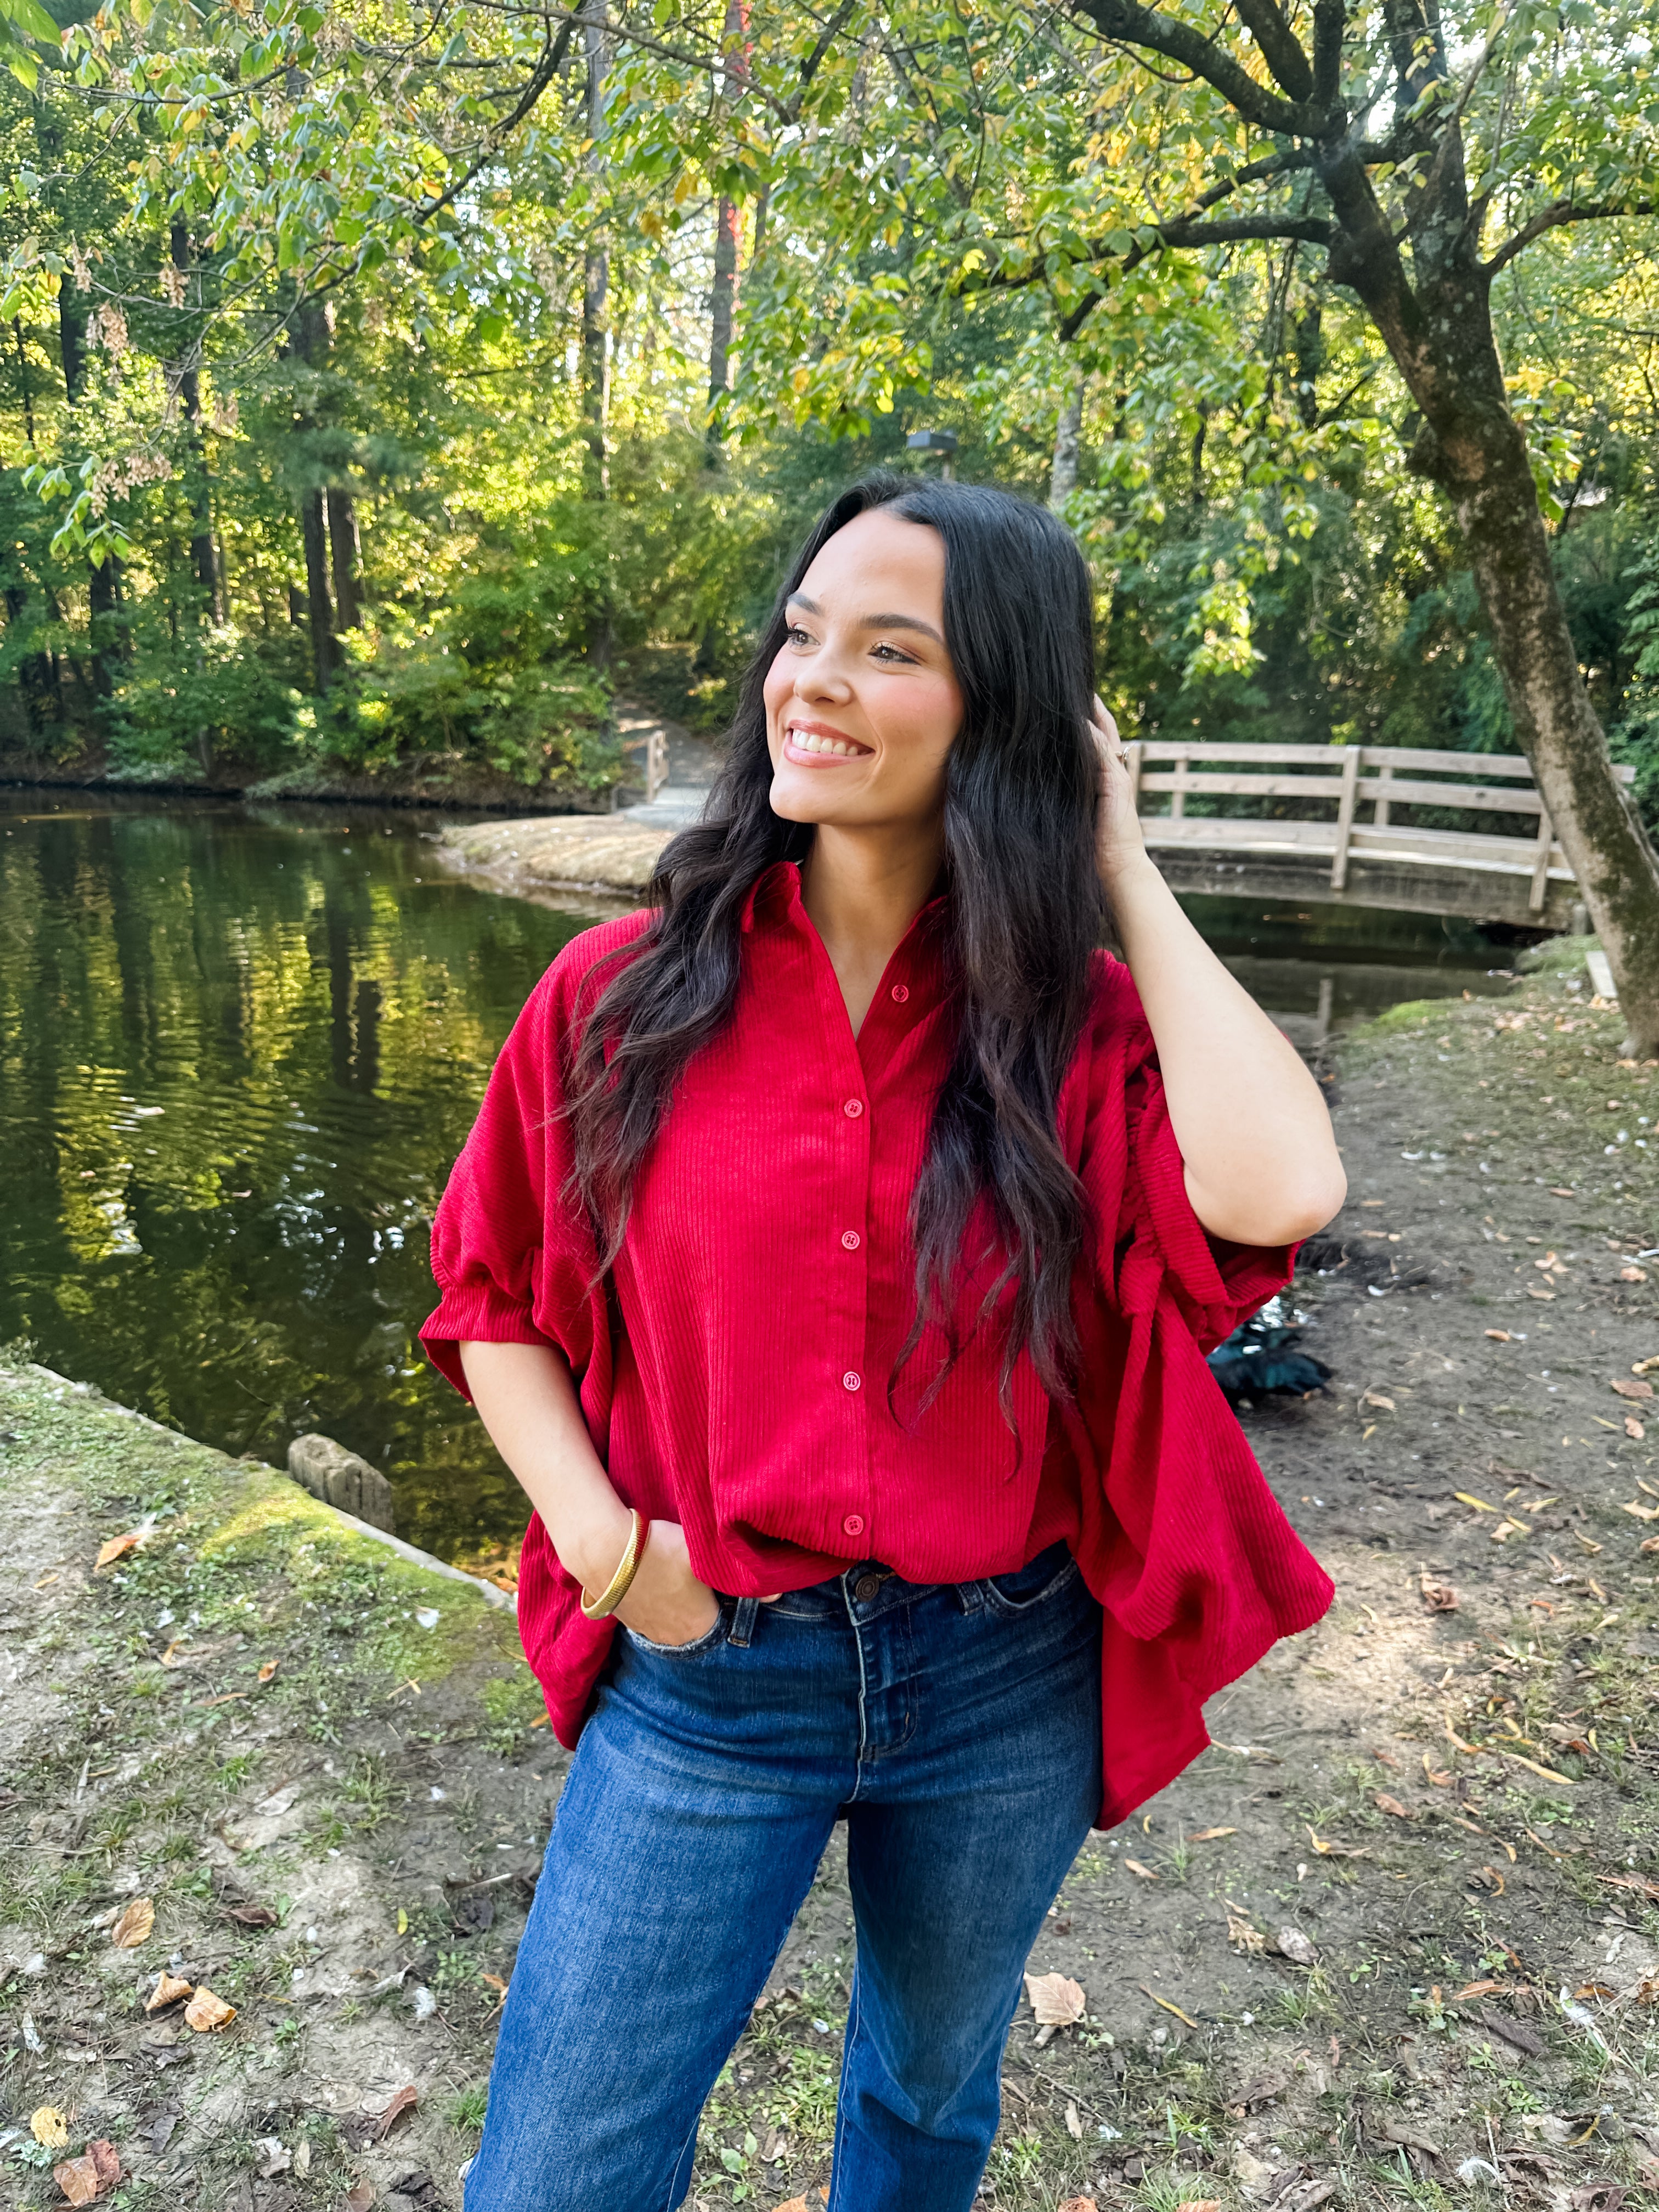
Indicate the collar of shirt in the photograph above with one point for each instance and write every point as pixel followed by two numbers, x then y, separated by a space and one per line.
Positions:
pixel 914 975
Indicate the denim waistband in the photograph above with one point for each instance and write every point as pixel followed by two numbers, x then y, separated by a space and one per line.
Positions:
pixel 868 1589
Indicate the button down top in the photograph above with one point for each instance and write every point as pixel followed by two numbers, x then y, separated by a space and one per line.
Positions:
pixel 715 1404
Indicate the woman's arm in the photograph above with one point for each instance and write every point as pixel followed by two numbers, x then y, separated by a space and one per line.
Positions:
pixel 527 1400
pixel 1262 1162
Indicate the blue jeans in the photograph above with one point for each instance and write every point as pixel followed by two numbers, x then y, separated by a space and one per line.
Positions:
pixel 957 1729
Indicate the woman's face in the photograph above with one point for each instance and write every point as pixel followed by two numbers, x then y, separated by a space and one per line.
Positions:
pixel 862 705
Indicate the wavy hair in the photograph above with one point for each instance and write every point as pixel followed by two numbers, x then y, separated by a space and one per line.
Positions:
pixel 1025 911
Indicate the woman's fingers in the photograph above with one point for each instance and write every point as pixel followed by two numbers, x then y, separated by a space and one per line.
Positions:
pixel 1104 722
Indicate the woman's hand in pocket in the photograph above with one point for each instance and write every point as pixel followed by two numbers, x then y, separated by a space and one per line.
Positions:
pixel 665 1602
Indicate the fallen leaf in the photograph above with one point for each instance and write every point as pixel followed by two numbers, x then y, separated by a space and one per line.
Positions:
pixel 206 2012
pixel 1487 1878
pixel 1056 1999
pixel 361 2196
pixel 1136 1867
pixel 1477 1990
pixel 1165 2004
pixel 1244 1935
pixel 1632 1275
pixel 1376 1398
pixel 1193 2204
pixel 1500 1336
pixel 1645 1366
pixel 1067 2204
pixel 1074 2123
pixel 136 1925
pixel 405 2101
pixel 1649 1544
pixel 1294 1946
pixel 251 1916
pixel 116 1548
pixel 1328 1850
pixel 1384 1803
pixel 1468 1497
pixel 1643 1884
pixel 83 2180
pixel 169 1988
pixel 1629 1389
pixel 1642 1512
pixel 1588 1542
pixel 269 1669
pixel 1438 1596
pixel 1210 1835
pixel 49 2126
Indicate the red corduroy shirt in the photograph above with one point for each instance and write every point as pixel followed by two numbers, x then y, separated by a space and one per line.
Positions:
pixel 738 1380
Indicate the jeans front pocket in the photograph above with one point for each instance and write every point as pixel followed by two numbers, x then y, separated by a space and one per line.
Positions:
pixel 1014 1596
pixel 708 1641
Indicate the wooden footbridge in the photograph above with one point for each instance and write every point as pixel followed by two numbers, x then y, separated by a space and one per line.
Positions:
pixel 1356 825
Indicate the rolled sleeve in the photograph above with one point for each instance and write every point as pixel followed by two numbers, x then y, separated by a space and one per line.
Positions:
pixel 513 1253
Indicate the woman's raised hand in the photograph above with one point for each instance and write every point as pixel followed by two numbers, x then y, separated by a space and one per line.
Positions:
pixel 1118 841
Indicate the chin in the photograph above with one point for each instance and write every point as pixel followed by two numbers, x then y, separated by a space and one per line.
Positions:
pixel 790 803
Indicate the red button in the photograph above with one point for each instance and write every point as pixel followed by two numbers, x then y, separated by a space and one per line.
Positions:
pixel 853 1109
pixel 849 1238
pixel 901 992
pixel 851 1381
pixel 852 1525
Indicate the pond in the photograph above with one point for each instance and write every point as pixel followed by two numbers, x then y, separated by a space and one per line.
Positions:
pixel 239 1050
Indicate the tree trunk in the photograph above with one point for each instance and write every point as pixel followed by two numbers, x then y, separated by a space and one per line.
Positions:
pixel 722 306
pixel 324 653
pixel 1068 432
pixel 36 679
pixel 106 607
pixel 346 556
pixel 311 344
pixel 596 271
pixel 1440 335
pixel 204 558
pixel 1605 845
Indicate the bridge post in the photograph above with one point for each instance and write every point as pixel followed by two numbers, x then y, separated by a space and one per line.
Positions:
pixel 1345 812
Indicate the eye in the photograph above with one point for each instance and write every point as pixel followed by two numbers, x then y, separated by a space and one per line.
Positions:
pixel 796 636
pixel 891 653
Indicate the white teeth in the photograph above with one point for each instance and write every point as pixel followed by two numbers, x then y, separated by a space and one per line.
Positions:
pixel 813 741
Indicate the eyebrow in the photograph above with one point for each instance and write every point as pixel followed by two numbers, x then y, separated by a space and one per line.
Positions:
pixel 873 621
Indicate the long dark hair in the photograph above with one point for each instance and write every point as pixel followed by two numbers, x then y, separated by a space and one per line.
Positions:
pixel 1025 911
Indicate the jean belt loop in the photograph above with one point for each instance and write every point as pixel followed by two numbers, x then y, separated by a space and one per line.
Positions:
pixel 744 1616
pixel 970 1596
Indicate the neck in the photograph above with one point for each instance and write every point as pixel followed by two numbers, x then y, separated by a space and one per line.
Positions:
pixel 862 889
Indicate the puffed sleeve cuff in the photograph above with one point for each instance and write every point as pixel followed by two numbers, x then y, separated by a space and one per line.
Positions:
pixel 475 1313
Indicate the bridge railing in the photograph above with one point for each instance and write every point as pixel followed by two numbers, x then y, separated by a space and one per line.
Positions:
pixel 1364 784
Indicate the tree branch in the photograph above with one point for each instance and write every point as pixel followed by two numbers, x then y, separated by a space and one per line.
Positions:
pixel 1560 211
pixel 1188 235
pixel 1330 22
pixel 1280 49
pixel 1135 25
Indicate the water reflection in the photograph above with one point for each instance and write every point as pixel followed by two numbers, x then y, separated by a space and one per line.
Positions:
pixel 238 1052
pixel 237 1056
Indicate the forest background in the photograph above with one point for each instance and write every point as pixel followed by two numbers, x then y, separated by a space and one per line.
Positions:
pixel 387 388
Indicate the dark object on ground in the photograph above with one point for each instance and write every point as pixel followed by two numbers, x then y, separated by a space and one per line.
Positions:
pixel 341 1479
pixel 1260 1357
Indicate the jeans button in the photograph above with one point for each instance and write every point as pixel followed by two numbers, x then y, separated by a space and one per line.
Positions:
pixel 866 1587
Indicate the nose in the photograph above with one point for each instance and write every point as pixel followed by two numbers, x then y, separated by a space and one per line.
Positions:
pixel 822 677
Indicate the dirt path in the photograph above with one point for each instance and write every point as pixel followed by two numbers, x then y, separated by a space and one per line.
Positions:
pixel 1392 1941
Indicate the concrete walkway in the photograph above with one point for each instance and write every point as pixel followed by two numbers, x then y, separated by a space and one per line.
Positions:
pixel 610 855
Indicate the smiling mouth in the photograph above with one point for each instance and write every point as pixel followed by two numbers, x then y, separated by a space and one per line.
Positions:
pixel 822 744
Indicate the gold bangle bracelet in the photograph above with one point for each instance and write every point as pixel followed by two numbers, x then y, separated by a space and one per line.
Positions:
pixel 601 1608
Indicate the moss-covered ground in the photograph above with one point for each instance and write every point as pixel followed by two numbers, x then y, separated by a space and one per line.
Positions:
pixel 1392 1941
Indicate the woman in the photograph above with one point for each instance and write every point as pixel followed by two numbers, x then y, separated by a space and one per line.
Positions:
pixel 831 1263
